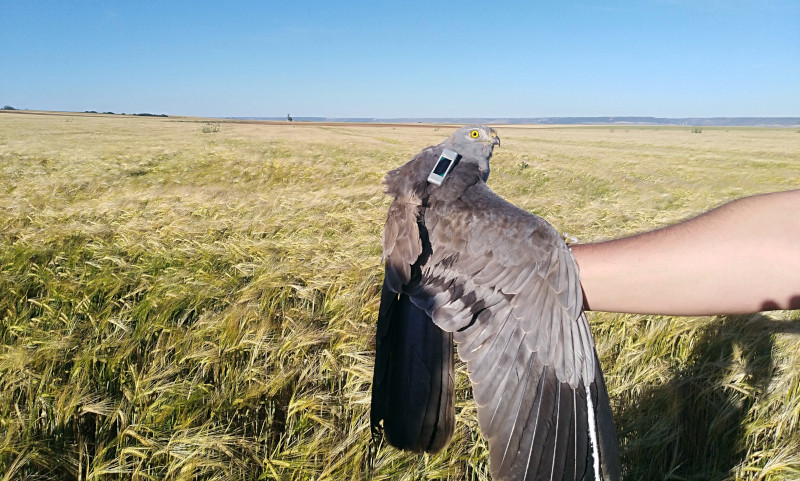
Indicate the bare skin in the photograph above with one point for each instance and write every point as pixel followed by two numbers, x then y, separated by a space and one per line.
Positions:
pixel 741 257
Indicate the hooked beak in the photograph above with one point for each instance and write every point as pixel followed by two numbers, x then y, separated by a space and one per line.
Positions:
pixel 495 138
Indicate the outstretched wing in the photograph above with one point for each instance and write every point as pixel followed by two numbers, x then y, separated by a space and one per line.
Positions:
pixel 507 287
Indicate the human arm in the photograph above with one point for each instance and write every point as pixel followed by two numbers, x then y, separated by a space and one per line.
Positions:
pixel 741 257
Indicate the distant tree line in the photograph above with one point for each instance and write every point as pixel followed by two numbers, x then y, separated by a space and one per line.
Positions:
pixel 144 114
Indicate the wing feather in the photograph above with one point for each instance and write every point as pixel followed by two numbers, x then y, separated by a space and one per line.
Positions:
pixel 519 324
pixel 474 345
pixel 494 355
pixel 506 435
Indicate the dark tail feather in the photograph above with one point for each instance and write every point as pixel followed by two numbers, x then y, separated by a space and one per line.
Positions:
pixel 413 387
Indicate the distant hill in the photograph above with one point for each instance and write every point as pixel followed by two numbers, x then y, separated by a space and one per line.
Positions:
pixel 689 121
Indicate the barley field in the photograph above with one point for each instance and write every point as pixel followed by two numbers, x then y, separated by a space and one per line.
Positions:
pixel 187 299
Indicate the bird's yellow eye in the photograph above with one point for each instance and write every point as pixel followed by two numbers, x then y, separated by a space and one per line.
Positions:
pixel 474 134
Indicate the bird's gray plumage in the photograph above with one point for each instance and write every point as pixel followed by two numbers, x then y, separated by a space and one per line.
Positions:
pixel 463 264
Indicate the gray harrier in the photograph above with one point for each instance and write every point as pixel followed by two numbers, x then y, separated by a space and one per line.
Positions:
pixel 464 265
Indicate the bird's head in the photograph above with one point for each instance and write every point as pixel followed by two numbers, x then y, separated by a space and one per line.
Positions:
pixel 475 144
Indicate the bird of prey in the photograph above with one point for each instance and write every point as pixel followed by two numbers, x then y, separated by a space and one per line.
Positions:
pixel 462 264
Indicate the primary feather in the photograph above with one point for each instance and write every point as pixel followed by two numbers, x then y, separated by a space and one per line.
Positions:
pixel 464 265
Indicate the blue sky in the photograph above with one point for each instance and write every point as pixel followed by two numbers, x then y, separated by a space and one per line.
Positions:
pixel 667 58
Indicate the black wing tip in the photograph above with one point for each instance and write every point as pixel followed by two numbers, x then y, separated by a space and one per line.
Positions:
pixel 608 445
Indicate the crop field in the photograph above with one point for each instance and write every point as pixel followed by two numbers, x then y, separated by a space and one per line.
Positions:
pixel 186 299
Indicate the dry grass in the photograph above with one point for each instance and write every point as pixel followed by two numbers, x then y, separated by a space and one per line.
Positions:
pixel 182 303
